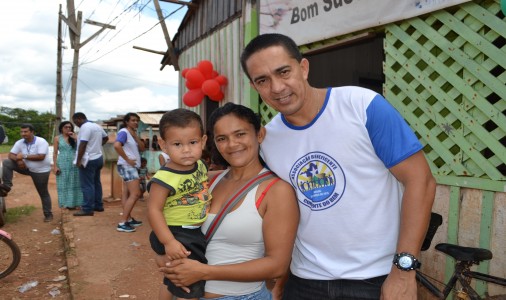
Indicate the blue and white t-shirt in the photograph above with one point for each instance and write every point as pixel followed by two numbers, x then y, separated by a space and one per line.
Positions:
pixel 339 166
pixel 130 147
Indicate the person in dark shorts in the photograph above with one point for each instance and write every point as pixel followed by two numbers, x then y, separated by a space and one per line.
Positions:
pixel 179 198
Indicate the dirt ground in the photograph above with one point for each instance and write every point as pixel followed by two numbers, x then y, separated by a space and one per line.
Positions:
pixel 79 257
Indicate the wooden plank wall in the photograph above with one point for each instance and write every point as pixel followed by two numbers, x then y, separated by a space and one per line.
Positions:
pixel 471 218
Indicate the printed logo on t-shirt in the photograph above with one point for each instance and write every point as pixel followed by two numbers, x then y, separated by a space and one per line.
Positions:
pixel 319 179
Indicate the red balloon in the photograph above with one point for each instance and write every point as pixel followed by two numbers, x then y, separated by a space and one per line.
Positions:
pixel 206 67
pixel 214 74
pixel 193 97
pixel 222 80
pixel 191 85
pixel 218 97
pixel 194 78
pixel 183 73
pixel 210 87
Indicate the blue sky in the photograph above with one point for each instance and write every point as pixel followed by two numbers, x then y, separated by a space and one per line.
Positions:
pixel 113 77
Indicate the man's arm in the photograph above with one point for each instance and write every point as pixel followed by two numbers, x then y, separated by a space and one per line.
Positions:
pixel 419 191
pixel 80 152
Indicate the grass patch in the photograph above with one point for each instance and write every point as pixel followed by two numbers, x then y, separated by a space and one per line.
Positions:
pixel 15 213
pixel 5 148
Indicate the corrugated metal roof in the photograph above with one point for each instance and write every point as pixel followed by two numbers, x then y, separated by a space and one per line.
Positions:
pixel 152 119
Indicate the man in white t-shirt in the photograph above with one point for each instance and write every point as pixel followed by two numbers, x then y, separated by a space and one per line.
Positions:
pixel 29 156
pixel 89 160
pixel 364 187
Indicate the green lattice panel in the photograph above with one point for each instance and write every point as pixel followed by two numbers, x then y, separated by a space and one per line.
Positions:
pixel 266 113
pixel 445 73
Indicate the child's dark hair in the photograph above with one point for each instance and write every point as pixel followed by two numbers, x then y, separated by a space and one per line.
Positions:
pixel 143 160
pixel 179 117
pixel 241 112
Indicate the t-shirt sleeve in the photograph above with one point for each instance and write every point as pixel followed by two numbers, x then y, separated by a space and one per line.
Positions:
pixel 16 148
pixel 392 138
pixel 122 137
pixel 84 133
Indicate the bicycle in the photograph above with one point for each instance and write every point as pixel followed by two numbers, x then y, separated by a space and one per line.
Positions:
pixel 3 210
pixel 10 256
pixel 465 258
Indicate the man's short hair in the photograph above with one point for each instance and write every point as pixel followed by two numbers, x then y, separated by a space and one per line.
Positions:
pixel 28 125
pixel 79 115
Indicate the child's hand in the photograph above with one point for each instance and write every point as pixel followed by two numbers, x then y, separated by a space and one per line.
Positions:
pixel 175 250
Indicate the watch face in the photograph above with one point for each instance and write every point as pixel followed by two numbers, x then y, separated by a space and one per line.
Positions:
pixel 405 261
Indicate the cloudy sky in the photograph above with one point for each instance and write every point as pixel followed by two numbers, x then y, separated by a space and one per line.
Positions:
pixel 113 77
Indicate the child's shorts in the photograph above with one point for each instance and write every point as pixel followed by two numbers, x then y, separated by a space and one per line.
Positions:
pixel 193 240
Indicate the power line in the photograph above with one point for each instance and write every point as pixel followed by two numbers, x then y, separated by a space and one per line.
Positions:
pixel 133 38
pixel 120 75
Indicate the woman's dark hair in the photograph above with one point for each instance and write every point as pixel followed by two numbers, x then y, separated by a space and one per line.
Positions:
pixel 72 141
pixel 127 117
pixel 241 112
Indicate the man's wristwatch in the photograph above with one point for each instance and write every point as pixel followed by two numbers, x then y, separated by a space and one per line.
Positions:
pixel 25 156
pixel 406 262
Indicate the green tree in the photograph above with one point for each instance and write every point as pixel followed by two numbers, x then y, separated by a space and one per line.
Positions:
pixel 12 118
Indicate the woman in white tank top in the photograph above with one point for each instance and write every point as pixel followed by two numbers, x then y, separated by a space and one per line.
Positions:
pixel 254 242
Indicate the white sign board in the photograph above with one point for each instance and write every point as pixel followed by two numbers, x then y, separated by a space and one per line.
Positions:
pixel 310 21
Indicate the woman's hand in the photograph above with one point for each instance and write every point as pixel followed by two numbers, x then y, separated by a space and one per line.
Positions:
pixel 56 170
pixel 184 272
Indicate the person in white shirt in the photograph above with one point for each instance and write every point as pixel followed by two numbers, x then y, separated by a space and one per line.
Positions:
pixel 89 160
pixel 364 187
pixel 128 146
pixel 29 156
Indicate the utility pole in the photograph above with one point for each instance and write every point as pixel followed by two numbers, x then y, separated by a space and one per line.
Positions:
pixel 75 37
pixel 58 72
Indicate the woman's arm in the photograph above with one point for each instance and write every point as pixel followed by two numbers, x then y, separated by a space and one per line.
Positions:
pixel 56 140
pixel 280 221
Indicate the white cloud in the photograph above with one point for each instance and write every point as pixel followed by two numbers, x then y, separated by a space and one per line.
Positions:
pixel 113 77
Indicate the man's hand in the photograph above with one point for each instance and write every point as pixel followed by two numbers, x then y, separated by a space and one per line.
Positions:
pixel 399 285
pixel 21 164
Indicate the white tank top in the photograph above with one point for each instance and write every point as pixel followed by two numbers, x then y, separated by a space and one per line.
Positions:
pixel 238 239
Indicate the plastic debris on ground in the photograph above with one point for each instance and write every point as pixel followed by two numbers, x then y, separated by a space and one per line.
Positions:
pixel 30 284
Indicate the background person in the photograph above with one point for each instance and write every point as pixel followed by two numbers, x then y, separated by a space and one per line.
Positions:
pixel 178 198
pixel 89 161
pixel 143 176
pixel 29 156
pixel 128 146
pixel 255 240
pixel 69 190
pixel 163 158
pixel 364 187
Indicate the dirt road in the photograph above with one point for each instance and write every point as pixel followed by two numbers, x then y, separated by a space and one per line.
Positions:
pixel 102 263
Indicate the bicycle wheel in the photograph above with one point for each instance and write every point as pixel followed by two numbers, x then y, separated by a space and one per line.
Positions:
pixel 2 211
pixel 9 256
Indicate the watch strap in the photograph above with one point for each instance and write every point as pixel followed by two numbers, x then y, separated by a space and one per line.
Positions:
pixel 415 263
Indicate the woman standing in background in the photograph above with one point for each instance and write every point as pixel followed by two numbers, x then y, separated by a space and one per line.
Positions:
pixel 69 190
